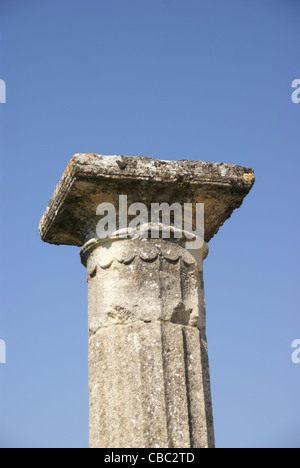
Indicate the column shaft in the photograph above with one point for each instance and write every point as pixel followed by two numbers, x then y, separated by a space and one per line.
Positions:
pixel 149 376
pixel 148 388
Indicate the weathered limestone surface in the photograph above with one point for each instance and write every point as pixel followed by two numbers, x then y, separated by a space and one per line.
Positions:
pixel 149 376
pixel 149 387
pixel 92 179
pixel 143 280
pixel 148 362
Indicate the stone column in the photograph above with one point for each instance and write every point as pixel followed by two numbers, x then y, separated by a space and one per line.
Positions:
pixel 149 378
pixel 148 363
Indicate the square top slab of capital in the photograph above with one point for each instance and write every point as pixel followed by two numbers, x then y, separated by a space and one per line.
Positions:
pixel 91 179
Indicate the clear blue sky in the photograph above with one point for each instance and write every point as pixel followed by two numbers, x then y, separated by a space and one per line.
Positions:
pixel 173 79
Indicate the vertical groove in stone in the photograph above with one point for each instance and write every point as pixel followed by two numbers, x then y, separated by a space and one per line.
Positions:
pixel 187 382
pixel 175 386
pixel 200 416
pixel 205 373
pixel 167 413
pixel 154 421
pixel 207 390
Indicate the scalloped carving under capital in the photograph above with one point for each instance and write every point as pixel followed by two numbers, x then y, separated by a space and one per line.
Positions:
pixel 143 280
pixel 125 251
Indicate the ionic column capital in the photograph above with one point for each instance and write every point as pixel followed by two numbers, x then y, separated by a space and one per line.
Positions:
pixel 133 280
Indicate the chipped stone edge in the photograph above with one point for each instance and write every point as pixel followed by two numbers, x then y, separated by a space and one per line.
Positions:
pixel 190 258
pixel 82 167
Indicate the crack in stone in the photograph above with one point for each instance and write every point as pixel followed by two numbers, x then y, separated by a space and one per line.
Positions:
pixel 161 321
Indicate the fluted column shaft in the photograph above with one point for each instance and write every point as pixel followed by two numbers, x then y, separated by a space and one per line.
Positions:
pixel 149 377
